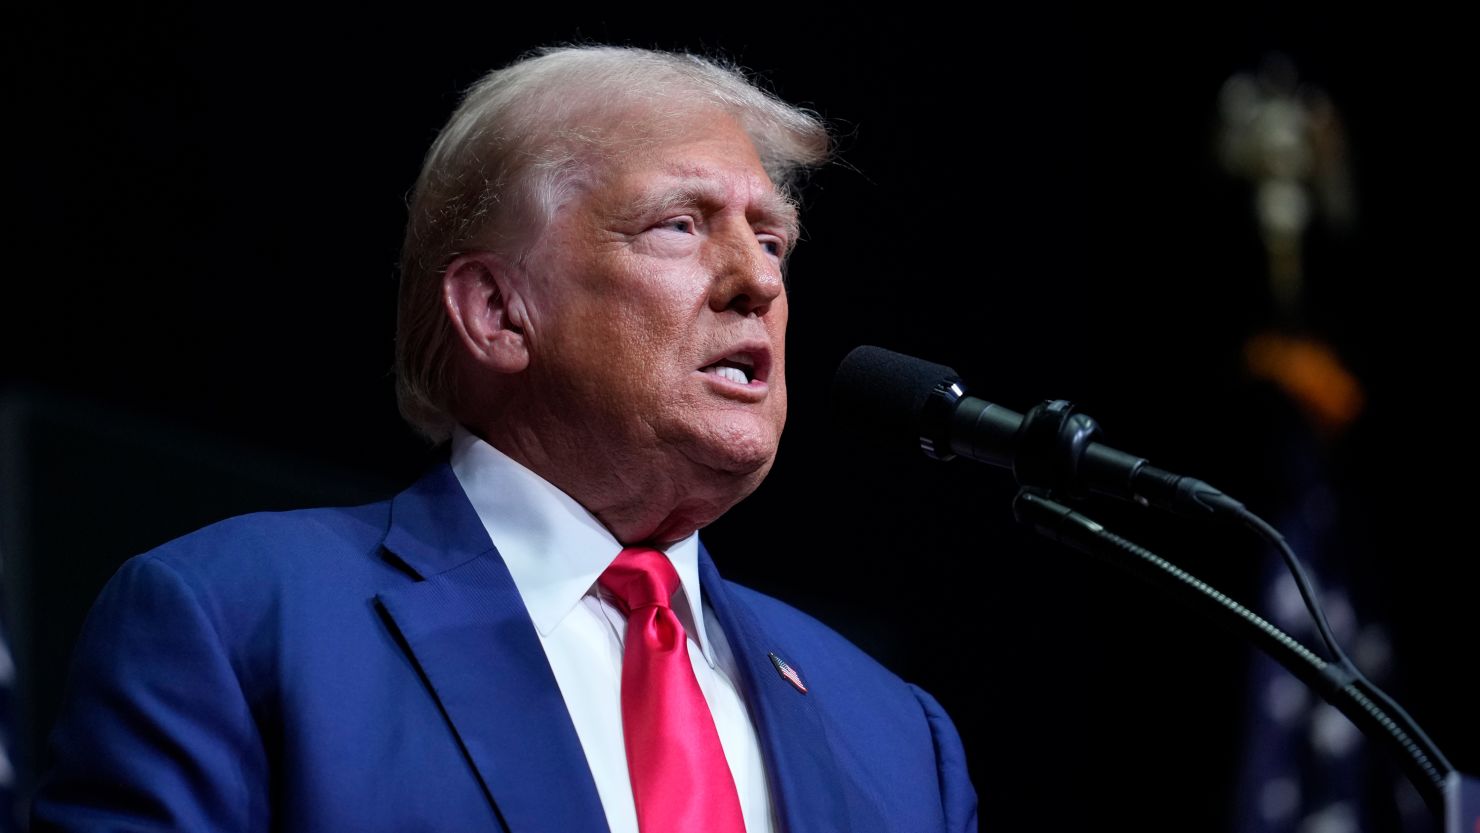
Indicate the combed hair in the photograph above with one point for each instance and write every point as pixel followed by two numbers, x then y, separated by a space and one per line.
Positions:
pixel 522 140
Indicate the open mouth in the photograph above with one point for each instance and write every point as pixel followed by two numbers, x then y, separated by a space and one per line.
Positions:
pixel 742 367
pixel 739 370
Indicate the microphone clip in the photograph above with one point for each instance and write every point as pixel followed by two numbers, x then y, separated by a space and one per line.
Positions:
pixel 1051 446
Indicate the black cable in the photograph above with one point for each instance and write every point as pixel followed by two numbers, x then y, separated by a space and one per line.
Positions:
pixel 1302 581
pixel 1369 688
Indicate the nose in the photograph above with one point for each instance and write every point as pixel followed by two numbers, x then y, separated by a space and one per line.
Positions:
pixel 747 278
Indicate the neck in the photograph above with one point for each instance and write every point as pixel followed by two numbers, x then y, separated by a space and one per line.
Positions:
pixel 637 503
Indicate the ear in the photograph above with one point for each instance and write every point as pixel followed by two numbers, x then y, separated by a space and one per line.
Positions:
pixel 482 304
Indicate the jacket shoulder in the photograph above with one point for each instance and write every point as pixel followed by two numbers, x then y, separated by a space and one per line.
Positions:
pixel 301 565
pixel 268 541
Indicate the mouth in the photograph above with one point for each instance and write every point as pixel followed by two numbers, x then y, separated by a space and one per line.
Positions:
pixel 747 365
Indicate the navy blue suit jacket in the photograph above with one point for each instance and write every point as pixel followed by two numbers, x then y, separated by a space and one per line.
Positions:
pixel 374 668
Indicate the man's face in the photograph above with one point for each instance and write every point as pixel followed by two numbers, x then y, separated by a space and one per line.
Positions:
pixel 657 312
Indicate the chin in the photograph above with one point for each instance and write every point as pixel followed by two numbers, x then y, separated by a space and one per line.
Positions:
pixel 720 476
pixel 726 473
pixel 743 449
pixel 726 453
pixel 717 491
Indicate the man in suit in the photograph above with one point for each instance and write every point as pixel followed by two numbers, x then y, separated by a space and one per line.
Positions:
pixel 531 638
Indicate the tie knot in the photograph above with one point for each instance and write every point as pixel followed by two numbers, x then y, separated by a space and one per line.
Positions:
pixel 641 577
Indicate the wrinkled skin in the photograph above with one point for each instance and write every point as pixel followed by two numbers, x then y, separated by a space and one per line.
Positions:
pixel 587 359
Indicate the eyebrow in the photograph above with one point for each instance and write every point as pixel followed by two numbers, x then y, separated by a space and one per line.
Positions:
pixel 697 189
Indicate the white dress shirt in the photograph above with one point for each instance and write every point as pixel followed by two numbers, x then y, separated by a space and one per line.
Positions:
pixel 555 551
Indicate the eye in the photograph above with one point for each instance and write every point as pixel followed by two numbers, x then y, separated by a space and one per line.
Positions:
pixel 682 225
pixel 774 246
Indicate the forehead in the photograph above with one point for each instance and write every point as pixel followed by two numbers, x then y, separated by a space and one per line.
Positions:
pixel 698 161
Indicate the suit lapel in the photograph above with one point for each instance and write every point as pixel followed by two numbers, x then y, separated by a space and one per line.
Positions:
pixel 806 783
pixel 467 629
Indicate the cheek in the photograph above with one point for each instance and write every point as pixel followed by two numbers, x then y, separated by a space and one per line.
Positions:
pixel 777 328
pixel 778 391
pixel 662 320
pixel 624 352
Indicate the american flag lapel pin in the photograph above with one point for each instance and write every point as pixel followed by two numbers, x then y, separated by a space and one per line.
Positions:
pixel 787 672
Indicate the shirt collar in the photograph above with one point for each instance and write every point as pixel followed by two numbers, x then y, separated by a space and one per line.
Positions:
pixel 555 550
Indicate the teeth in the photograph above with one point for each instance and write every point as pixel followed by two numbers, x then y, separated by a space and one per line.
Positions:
pixel 734 374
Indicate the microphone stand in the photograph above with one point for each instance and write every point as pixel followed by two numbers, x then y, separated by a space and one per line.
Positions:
pixel 1052 450
pixel 1367 706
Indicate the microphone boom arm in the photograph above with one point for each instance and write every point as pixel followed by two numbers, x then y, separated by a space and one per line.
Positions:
pixel 1353 695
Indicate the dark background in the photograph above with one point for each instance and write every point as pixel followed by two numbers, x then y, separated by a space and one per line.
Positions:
pixel 205 215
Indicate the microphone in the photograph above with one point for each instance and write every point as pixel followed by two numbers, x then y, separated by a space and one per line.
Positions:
pixel 1052 447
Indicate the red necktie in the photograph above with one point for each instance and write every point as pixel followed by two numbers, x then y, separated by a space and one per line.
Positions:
pixel 680 778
